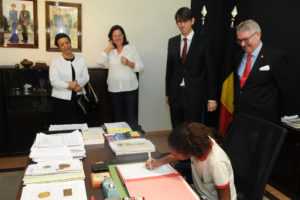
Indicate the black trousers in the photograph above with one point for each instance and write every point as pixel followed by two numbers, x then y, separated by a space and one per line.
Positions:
pixel 182 111
pixel 125 107
pixel 67 112
pixel 24 33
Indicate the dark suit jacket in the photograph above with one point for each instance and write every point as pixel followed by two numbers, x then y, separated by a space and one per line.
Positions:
pixel 265 91
pixel 198 70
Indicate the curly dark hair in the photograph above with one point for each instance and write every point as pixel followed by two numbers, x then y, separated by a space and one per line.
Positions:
pixel 190 138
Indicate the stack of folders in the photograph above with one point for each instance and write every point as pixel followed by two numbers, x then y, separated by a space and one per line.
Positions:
pixel 131 146
pixel 54 171
pixel 62 146
pixel 117 127
pixel 58 191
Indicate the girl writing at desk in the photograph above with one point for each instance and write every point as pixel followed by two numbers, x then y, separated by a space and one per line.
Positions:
pixel 211 168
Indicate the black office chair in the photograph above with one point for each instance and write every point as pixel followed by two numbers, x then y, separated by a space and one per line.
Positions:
pixel 252 145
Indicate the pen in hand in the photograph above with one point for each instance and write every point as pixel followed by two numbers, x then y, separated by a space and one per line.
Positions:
pixel 150 159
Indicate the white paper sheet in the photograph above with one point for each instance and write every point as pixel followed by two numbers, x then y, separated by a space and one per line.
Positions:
pixel 71 190
pixel 139 170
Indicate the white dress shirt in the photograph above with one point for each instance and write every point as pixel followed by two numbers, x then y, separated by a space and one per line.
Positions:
pixel 188 41
pixel 242 65
pixel 60 73
pixel 122 78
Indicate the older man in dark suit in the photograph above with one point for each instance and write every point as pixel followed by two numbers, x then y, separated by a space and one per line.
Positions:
pixel 190 77
pixel 263 78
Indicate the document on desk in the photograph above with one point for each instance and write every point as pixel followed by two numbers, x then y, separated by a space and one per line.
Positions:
pixel 139 171
pixel 163 183
pixel 117 127
pixel 93 136
pixel 45 172
pixel 57 140
pixel 54 167
pixel 63 127
pixel 131 146
pixel 51 153
pixel 71 190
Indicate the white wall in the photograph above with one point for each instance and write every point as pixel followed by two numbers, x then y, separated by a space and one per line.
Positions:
pixel 148 25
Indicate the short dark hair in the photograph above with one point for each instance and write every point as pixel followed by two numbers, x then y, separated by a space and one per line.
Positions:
pixel 184 14
pixel 59 36
pixel 116 27
pixel 190 138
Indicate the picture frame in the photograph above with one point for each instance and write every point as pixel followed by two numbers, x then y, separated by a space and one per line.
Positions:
pixel 18 23
pixel 63 17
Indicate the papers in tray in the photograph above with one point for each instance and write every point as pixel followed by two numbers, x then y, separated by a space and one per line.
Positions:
pixel 117 127
pixel 130 146
pixel 61 127
pixel 61 146
pixel 93 136
pixel 44 172
pixel 74 190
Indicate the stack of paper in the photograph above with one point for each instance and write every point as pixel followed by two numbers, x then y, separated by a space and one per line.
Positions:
pixel 53 171
pixel 57 146
pixel 293 121
pixel 62 127
pixel 130 146
pixel 117 127
pixel 58 191
pixel 93 136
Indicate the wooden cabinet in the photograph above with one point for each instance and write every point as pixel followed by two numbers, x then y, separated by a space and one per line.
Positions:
pixel 26 106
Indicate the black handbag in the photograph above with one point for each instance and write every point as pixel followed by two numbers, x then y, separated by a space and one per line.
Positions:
pixel 89 101
pixel 91 97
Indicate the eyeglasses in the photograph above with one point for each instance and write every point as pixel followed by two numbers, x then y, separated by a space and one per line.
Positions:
pixel 246 40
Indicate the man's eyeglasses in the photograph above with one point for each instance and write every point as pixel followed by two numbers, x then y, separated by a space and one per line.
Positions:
pixel 246 40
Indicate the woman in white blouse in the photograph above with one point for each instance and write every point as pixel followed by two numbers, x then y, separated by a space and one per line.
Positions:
pixel 68 74
pixel 124 61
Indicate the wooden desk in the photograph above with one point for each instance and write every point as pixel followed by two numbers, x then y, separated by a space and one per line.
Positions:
pixel 96 153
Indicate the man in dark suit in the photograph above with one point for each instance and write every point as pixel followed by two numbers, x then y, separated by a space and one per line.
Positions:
pixel 263 78
pixel 190 77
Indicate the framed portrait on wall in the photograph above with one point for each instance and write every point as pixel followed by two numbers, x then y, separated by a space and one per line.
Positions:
pixel 18 23
pixel 63 18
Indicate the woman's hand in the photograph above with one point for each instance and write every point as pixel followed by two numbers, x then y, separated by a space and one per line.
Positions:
pixel 77 88
pixel 72 85
pixel 124 60
pixel 109 47
pixel 153 163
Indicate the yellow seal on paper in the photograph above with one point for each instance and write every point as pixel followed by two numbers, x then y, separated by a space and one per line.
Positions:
pixel 44 195
pixel 63 166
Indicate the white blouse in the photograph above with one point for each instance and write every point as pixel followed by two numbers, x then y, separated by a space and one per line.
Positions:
pixel 60 73
pixel 122 78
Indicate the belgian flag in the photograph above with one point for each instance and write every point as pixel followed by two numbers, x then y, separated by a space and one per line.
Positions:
pixel 227 94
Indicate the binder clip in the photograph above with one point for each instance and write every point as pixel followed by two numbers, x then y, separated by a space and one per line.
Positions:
pixel 109 188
